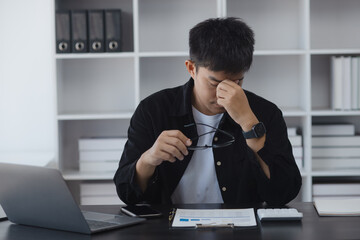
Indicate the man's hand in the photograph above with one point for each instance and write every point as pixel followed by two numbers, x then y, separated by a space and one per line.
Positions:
pixel 169 146
pixel 232 97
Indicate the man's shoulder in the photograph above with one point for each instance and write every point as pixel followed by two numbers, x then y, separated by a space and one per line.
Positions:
pixel 260 105
pixel 164 100
pixel 163 96
pixel 258 101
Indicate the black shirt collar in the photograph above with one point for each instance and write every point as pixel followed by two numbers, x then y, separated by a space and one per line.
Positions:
pixel 182 104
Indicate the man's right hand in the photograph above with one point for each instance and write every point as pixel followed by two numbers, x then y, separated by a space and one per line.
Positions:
pixel 169 146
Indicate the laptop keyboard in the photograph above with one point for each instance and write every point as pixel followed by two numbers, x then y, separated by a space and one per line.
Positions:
pixel 99 224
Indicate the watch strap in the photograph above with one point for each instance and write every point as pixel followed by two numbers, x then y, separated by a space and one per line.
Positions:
pixel 257 131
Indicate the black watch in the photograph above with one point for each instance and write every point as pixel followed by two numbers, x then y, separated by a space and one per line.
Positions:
pixel 257 131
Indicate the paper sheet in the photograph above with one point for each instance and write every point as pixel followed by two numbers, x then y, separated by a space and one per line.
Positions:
pixel 214 217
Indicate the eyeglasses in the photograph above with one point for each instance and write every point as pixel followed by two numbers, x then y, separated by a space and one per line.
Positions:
pixel 216 145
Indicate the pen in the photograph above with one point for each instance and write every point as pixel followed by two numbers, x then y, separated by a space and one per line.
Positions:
pixel 229 225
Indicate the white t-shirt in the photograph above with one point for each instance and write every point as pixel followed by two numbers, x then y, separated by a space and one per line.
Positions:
pixel 199 183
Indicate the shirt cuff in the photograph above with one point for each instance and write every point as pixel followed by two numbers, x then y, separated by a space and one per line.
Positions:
pixel 135 185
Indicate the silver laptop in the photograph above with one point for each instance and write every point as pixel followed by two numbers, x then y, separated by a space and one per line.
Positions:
pixel 38 196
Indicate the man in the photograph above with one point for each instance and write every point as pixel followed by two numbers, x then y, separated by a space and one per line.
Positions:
pixel 209 141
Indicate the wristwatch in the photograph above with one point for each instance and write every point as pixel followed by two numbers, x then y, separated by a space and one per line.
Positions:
pixel 257 131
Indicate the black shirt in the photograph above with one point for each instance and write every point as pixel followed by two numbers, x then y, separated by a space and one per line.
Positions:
pixel 241 179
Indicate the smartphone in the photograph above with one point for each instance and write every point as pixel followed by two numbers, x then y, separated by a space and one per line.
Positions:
pixel 141 210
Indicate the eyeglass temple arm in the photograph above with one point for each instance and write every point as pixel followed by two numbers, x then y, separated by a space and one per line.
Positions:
pixel 192 124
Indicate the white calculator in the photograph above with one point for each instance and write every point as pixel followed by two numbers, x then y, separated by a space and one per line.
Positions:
pixel 279 214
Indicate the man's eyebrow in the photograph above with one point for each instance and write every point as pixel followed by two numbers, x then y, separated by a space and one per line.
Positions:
pixel 214 79
pixel 217 80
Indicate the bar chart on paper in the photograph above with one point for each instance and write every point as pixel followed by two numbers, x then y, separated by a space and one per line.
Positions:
pixel 214 218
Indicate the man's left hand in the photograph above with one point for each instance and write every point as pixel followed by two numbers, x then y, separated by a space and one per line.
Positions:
pixel 232 97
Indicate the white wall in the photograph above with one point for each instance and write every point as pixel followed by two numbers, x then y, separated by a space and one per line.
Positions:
pixel 27 96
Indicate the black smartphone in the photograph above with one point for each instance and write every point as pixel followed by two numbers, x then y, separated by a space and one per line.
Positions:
pixel 141 210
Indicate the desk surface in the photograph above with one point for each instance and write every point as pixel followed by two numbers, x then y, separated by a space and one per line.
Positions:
pixel 311 227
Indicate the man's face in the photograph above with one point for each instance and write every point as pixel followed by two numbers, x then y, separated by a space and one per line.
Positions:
pixel 206 81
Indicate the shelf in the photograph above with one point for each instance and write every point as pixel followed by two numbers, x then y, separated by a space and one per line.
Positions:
pixel 279 52
pixel 94 55
pixel 293 112
pixel 164 54
pixel 97 93
pixel 287 112
pixel 279 79
pixel 95 116
pixel 95 85
pixel 328 112
pixel 127 15
pixel 340 173
pixel 78 176
pixel 278 24
pixel 334 24
pixel 334 51
pixel 164 25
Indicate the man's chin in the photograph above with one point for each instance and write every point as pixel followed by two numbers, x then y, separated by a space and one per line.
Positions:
pixel 218 108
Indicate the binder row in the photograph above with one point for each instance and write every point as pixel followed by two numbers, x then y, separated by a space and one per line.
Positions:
pixel 81 31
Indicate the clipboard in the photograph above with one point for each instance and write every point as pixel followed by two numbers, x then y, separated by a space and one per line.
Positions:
pixel 211 218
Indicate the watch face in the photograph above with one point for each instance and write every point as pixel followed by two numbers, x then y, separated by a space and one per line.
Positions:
pixel 259 129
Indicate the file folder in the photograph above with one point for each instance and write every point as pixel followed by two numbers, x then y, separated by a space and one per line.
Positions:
pixel 62 20
pixel 113 30
pixel 96 30
pixel 79 31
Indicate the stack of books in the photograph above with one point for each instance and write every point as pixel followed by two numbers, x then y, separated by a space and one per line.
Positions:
pixel 297 146
pixel 345 83
pixel 99 194
pixel 335 146
pixel 336 190
pixel 100 154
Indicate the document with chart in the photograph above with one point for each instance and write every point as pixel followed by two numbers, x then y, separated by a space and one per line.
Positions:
pixel 214 218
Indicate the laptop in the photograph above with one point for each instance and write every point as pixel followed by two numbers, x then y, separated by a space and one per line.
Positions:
pixel 39 196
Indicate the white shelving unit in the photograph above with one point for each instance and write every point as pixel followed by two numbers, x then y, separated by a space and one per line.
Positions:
pixel 97 93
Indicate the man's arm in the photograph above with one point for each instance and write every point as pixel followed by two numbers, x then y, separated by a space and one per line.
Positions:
pixel 143 152
pixel 231 95
pixel 278 177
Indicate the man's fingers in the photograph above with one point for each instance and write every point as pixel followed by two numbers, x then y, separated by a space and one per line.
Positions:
pixel 174 152
pixel 221 94
pixel 176 142
pixel 170 145
pixel 179 135
pixel 165 156
pixel 230 83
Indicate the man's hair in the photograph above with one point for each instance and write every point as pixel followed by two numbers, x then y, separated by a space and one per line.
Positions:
pixel 222 44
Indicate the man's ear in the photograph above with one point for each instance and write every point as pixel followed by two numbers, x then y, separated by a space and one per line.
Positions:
pixel 190 66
